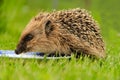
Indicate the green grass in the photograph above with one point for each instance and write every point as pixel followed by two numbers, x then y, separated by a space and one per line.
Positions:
pixel 20 69
pixel 14 15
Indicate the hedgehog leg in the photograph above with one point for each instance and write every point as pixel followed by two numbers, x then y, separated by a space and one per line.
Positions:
pixel 82 47
pixel 92 51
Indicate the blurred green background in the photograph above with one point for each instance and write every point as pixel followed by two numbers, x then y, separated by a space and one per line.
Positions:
pixel 15 14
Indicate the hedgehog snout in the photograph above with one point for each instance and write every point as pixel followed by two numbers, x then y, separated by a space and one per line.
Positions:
pixel 20 48
pixel 17 51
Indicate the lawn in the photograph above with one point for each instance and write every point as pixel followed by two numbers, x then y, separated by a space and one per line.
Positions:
pixel 15 14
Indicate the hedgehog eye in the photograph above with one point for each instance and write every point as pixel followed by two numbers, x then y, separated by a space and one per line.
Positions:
pixel 28 37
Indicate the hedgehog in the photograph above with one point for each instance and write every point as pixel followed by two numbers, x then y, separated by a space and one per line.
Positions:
pixel 72 31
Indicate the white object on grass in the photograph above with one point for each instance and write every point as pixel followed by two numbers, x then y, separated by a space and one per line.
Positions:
pixel 28 55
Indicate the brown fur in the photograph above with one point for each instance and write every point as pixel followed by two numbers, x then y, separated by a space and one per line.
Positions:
pixel 66 31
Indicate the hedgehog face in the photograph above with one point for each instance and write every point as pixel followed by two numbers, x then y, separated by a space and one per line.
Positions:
pixel 35 38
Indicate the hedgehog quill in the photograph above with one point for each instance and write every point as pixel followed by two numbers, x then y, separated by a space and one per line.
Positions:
pixel 72 31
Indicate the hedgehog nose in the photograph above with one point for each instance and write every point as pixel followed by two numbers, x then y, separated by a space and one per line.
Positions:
pixel 17 51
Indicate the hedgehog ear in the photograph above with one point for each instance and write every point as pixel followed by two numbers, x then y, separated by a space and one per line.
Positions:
pixel 48 27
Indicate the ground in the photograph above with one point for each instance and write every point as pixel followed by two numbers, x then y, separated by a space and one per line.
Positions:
pixel 14 20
